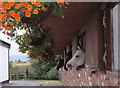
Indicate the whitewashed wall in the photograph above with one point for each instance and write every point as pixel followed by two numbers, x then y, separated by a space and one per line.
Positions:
pixel 116 37
pixel 4 75
pixel 119 35
pixel 0 64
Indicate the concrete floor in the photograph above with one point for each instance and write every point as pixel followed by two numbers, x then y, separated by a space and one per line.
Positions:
pixel 51 83
pixel 32 83
pixel 24 83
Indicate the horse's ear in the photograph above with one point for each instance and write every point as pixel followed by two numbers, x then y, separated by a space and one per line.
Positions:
pixel 59 58
pixel 78 48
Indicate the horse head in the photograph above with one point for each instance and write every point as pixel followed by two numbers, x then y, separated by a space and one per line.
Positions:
pixel 78 60
pixel 60 63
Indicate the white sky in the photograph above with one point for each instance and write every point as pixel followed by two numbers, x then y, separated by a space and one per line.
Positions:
pixel 14 46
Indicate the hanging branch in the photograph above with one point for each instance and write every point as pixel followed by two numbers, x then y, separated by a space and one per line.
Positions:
pixel 40 29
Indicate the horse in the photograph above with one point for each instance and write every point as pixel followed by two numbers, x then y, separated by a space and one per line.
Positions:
pixel 77 61
pixel 60 63
pixel 68 57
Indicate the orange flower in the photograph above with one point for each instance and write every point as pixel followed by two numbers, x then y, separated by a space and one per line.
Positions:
pixel 17 18
pixel 15 15
pixel 23 4
pixel 8 28
pixel 23 9
pixel 33 2
pixel 2 20
pixel 38 4
pixel 3 9
pixel 44 9
pixel 60 1
pixel 29 7
pixel 11 3
pixel 35 12
pixel 28 14
pixel 5 5
pixel 11 23
pixel 11 13
pixel 4 16
pixel 27 11
pixel 5 13
pixel 0 24
pixel 17 6
pixel 4 26
pixel 8 7
pixel 9 18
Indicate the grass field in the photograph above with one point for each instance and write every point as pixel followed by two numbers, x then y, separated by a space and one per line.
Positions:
pixel 20 64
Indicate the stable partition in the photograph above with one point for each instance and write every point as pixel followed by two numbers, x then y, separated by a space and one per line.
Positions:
pixel 116 37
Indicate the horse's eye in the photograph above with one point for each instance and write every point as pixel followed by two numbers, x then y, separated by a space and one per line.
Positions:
pixel 77 56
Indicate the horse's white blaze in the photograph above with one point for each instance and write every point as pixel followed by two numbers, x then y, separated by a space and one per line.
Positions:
pixel 78 59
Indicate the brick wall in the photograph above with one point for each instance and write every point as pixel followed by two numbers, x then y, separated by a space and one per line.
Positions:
pixel 84 77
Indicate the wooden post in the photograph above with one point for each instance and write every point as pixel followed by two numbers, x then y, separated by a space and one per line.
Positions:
pixel 108 40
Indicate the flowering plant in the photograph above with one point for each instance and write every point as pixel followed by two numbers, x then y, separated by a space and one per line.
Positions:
pixel 26 16
pixel 12 12
pixel 42 51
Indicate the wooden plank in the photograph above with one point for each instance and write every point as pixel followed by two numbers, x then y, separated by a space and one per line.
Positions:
pixel 100 33
pixel 108 40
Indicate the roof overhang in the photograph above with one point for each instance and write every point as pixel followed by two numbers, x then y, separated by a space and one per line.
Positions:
pixel 4 44
pixel 75 16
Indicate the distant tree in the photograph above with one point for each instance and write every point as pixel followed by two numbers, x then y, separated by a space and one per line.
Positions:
pixel 10 66
pixel 19 61
pixel 10 62
pixel 27 73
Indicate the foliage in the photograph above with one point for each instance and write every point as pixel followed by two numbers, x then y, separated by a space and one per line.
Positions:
pixel 52 74
pixel 44 68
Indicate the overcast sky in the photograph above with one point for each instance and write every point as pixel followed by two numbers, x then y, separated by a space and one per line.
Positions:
pixel 14 46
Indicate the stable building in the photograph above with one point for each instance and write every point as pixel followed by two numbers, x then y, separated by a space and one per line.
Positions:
pixel 95 25
pixel 4 62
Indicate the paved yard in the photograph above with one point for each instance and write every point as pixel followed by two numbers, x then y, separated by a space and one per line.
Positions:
pixel 24 83
pixel 33 83
pixel 51 83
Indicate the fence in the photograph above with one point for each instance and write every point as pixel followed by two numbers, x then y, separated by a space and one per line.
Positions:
pixel 19 77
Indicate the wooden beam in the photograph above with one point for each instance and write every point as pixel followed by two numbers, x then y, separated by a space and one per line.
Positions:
pixel 108 40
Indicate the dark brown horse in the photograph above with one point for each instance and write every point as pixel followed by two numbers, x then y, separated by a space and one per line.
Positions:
pixel 68 57
pixel 60 63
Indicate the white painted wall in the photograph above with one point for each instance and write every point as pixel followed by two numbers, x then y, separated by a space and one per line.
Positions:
pixel 119 36
pixel 116 36
pixel 4 75
pixel 0 64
